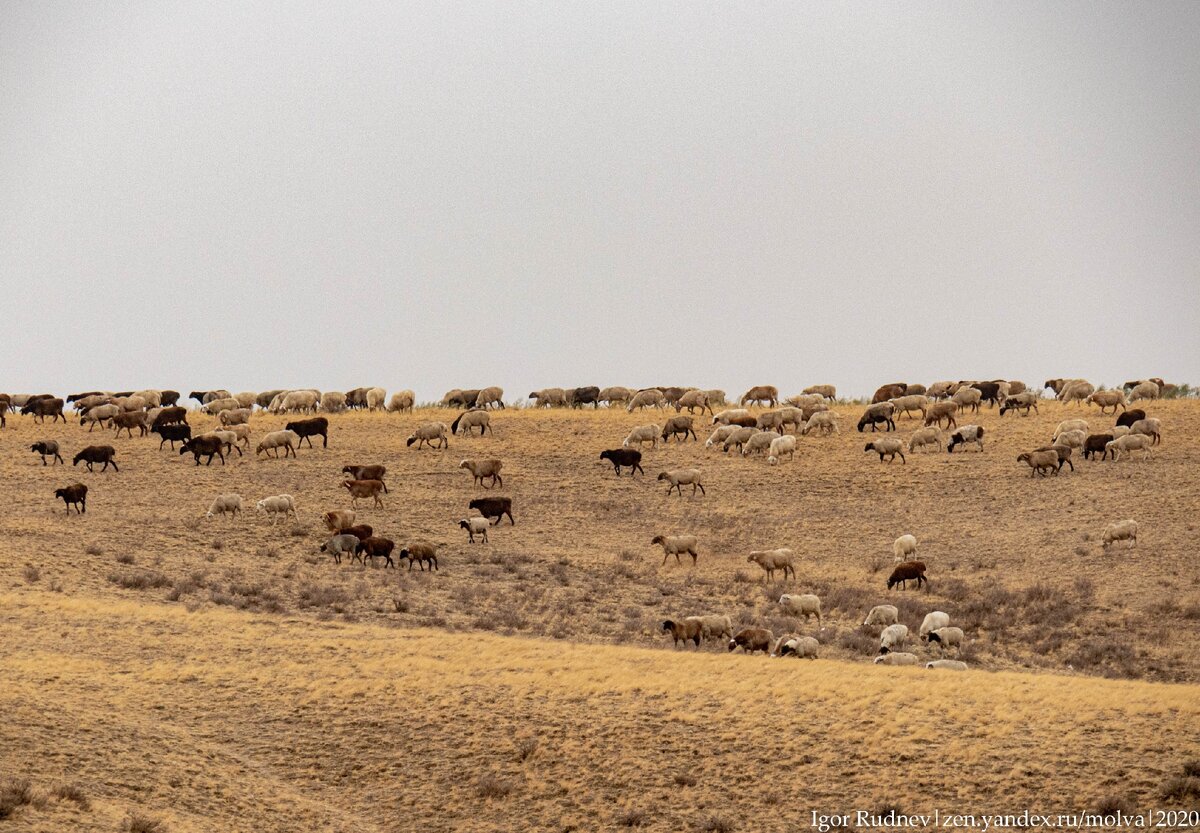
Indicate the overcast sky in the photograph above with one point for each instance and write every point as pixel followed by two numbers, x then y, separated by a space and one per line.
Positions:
pixel 255 195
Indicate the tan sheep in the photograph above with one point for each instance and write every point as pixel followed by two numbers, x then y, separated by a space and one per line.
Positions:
pixel 481 469
pixel 429 432
pixel 676 544
pixel 401 401
pixel 771 560
pixel 678 478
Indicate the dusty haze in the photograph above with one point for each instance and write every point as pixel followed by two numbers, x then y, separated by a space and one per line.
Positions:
pixel 437 195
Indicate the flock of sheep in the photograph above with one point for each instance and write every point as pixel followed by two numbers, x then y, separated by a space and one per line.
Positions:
pixel 772 433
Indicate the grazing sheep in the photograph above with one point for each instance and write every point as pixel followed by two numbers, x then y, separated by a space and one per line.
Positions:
pixel 494 507
pixel 752 639
pixel 689 630
pixel 888 447
pixel 339 519
pixel 932 621
pixel 287 440
pixel 759 441
pixel 1120 531
pixel 760 394
pixel 98 415
pixel 824 421
pixel 903 547
pixel 374 471
pixel 401 401
pixel 332 402
pixel 360 531
pixel 678 478
pixel 481 469
pixel 886 392
pixel 692 400
pixel 237 416
pixel 263 400
pixel 1108 399
pixel 475 525
pixel 827 391
pixel 341 544
pixel 939 411
pixel 376 547
pixel 882 615
pixel 490 397
pixel 1071 439
pixel 965 435
pixel 967 398
pixel 129 420
pixel 173 433
pixel 652 397
pixel 880 412
pixel 421 553
pixel 169 416
pixel 297 401
pixel 714 626
pixel 676 544
pixel 719 435
pixel 729 415
pixel 1150 426
pixel 1095 444
pixel 1144 390
pixel 781 446
pixel 376 398
pixel 549 398
pixel 1130 443
pixel 945 637
pixel 1069 425
pixel 679 427
pixel 365 489
pixel 909 403
pixel 805 605
pixel 802 647
pixel 97 454
pixel 1040 462
pixel 47 448
pixel 906 572
pixel 1130 417
pixel 947 665
pixel 427 432
pixel 277 505
pixel 229 440
pixel 892 637
pixel 1021 401
pixel 940 390
pixel 225 505
pixel 1063 452
pixel 897 658
pixel 629 457
pixel 642 434
pixel 306 429
pixel 615 394
pixel 925 437
pixel 771 560
pixel 770 421
pixel 805 400
pixel 218 405
pixel 738 438
pixel 578 397
pixel 130 403
pixel 1076 391
pixel 75 495
pixel 458 398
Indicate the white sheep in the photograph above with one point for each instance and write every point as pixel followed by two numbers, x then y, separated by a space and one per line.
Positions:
pixel 905 404
pixel 613 395
pixel 1071 439
pixel 720 435
pixel 401 401
pixel 729 415
pixel 824 421
pixel 715 626
pixel 299 401
pixel 333 402
pixel 1150 426
pixel 218 405
pixel 676 544
pixel 1130 443
pixel 246 399
pixel 882 615
pixel 277 505
pixel 153 397
pixel 242 432
pixel 1144 390
pixel 892 637
pixel 376 397
pixel 781 446
pixel 287 440
pixel 802 647
pixel 932 621
pixel 229 438
pixel 903 547
pixel 897 658
pixel 947 665
pixel 1109 399
pixel 643 433
pixel 652 397
pixel 946 637
pixel 967 398
pixel 234 416
pixel 488 397
pixel 1077 391
pixel 678 478
pixel 924 437
pixel 225 505
pixel 738 437
pixel 1120 531
pixel 339 545
pixel 130 403
pixel 758 442
pixel 888 447
pixel 475 525
pixel 427 432
pixel 805 605
pixel 825 391
pixel 1071 425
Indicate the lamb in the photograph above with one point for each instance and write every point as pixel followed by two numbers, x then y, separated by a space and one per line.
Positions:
pixel 376 397
pixel 781 446
pixel 1144 390
pixel 889 448
pixel 1130 417
pixel 802 647
pixel 475 525
pixel 75 495
pixel 1108 399
pixel 421 553
pixel 896 658
pixel 549 398
pixel 877 413
pixel 376 547
pixel 1130 442
pixel 905 404
pixel 629 457
pixel 758 442
pixel 1063 452
pixel 689 630
pixel 892 637
pixel 341 544
pixel 225 505
pixel 1149 426
pixel 825 421
pixel 932 621
pixel 481 469
pixel 925 437
pixel 963 436
pixel 939 411
pixel 1096 443
pixel 287 440
pixel 759 394
pixel 1021 401
pixel 1040 462
pixel 578 397
pixel 306 429
pixel 771 560
pixel 494 507
pixel 375 471
pixel 882 615
pixel 1120 531
pixel 903 547
pixel 692 400
pixel 678 478
pixel 903 573
pixel 277 505
pixel 967 398
pixel 643 434
pixel 676 544
pixel 827 391
pixel 339 519
pixel 401 401
pixel 679 427
pixel 98 415
pixel 729 415
pixel 945 637
pixel 805 605
pixel 615 394
pixel 47 448
pixel 97 454
pixel 947 665
pixel 752 639
pixel 365 489
pixel 652 397
pixel 427 432
pixel 237 416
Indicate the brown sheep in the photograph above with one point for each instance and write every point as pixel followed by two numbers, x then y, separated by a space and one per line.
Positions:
pixel 689 629
pixel 752 639
pixel 74 495
pixel 886 392
pixel 97 454
pixel 373 548
pixel 942 410
pixel 761 393
pixel 370 472
pixel 1040 462
pixel 360 531
pixel 679 427
pixel 906 572
pixel 366 489
pixel 422 553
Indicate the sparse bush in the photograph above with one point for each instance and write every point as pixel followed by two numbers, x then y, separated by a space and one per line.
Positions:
pixel 218 544
pixel 315 595
pixel 124 558
pixel 525 748
pixel 14 793
pixel 685 779
pixel 715 824
pixel 94 549
pixel 493 786
pixel 632 818
pixel 138 823
pixel 1114 804
pixel 31 573
pixel 1181 788
pixel 147 580
pixel 73 793
pixel 400 604
pixel 1192 769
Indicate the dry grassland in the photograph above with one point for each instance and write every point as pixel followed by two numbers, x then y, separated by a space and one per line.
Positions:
pixel 223 675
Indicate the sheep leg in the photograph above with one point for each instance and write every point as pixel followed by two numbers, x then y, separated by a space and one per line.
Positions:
pixel 665 556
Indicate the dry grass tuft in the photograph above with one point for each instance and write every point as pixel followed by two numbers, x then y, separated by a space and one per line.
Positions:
pixel 138 823
pixel 72 792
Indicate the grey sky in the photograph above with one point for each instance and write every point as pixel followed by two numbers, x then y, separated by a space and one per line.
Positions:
pixel 435 195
